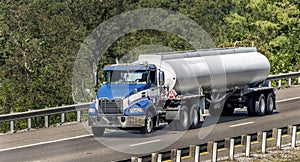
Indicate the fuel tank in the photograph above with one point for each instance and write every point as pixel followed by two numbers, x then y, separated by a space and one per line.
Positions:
pixel 212 70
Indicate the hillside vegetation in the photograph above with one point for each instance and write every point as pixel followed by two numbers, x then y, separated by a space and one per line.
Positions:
pixel 39 39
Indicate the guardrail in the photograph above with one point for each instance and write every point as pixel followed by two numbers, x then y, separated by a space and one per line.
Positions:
pixel 45 113
pixel 228 147
pixel 282 76
pixel 83 106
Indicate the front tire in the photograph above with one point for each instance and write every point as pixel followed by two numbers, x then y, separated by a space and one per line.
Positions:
pixel 149 124
pixel 98 131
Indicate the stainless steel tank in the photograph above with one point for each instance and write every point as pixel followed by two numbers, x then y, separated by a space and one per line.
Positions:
pixel 214 69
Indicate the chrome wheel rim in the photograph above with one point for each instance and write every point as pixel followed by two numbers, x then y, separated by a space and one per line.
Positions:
pixel 149 124
pixel 185 120
pixel 195 117
pixel 262 105
pixel 271 104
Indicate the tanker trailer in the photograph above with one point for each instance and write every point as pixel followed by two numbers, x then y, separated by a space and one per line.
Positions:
pixel 177 87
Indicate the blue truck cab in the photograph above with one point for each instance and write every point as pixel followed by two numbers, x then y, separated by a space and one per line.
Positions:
pixel 126 98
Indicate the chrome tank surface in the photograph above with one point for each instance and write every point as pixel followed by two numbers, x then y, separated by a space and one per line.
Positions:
pixel 228 68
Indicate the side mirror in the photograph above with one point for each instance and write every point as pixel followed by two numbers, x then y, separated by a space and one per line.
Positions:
pixel 161 78
pixel 95 79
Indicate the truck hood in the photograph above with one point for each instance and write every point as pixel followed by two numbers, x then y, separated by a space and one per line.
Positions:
pixel 112 91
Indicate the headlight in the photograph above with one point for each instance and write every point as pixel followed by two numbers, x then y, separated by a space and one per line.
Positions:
pixel 135 110
pixel 91 110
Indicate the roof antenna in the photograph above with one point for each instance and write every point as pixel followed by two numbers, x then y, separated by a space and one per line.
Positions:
pixel 117 61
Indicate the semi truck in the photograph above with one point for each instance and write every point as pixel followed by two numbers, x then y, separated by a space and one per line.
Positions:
pixel 179 87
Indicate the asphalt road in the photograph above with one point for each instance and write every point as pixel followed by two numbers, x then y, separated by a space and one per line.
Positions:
pixel 73 142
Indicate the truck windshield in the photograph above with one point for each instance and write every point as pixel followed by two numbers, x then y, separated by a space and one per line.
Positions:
pixel 126 77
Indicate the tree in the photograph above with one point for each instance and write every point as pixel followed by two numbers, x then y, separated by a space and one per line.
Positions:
pixel 273 25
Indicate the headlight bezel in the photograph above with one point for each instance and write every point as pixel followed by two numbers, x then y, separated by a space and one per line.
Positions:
pixel 136 110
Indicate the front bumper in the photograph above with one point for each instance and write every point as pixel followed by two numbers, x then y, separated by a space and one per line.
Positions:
pixel 110 121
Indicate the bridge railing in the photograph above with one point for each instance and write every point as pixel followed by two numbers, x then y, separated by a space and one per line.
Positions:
pixel 79 108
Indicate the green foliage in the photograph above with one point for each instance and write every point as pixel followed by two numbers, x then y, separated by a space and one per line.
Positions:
pixel 273 25
pixel 39 40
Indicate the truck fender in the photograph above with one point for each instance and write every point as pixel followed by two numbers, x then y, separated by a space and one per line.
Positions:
pixel 145 104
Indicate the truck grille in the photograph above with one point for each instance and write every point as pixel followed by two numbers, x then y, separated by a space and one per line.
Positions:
pixel 111 106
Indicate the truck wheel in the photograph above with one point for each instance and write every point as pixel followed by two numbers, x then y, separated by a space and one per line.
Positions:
pixel 98 131
pixel 270 103
pixel 250 106
pixel 194 116
pixel 260 104
pixel 148 128
pixel 183 123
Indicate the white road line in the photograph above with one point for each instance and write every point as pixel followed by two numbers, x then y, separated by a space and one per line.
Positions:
pixel 143 143
pixel 241 124
pixel 46 142
pixel 289 99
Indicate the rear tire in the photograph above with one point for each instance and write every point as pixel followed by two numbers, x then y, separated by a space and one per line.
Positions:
pixel 98 131
pixel 183 123
pixel 260 104
pixel 195 117
pixel 270 103
pixel 250 106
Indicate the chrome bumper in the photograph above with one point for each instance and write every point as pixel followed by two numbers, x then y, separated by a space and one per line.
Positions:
pixel 110 121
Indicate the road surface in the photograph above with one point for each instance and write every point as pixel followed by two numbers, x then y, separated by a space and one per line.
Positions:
pixel 74 142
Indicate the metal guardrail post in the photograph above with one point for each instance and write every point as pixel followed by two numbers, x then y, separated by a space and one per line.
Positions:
pixel 197 154
pixel 178 156
pixel 134 159
pixel 62 118
pixel 78 116
pixel 29 122
pixel 278 139
pixel 192 150
pixel 231 149
pixel 159 158
pixel 299 78
pixel 173 155
pixel 209 146
pixel 248 146
pixel 290 82
pixel 279 83
pixel 294 136
pixel 46 119
pixel 154 157
pixel 263 142
pixel 215 152
pixel 12 126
